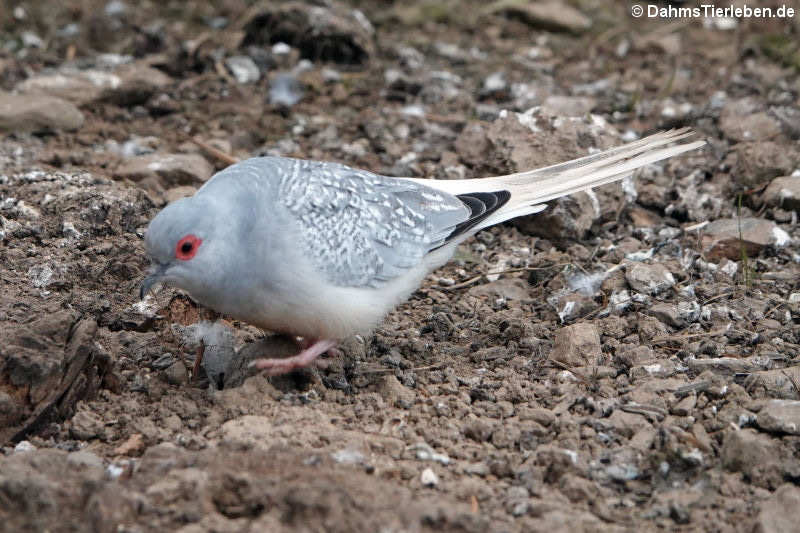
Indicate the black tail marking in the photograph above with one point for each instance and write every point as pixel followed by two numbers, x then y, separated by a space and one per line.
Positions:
pixel 481 205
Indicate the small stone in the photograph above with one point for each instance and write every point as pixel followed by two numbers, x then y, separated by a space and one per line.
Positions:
pixel 495 85
pixel 177 374
pixel 649 279
pixel 553 16
pixel 477 469
pixel 127 85
pixel 472 145
pixel 326 32
pixel 747 451
pixel 643 218
pixel 429 478
pixel 23 113
pixel 85 459
pixel 721 237
pixel 783 192
pixel 85 425
pixel 759 162
pixel 780 513
pixel 507 288
pixel 577 345
pixel 285 90
pixel 243 68
pixel 24 446
pixel 348 457
pixel 133 446
pixel 677 315
pixel 685 406
pixel 753 127
pixel 568 106
pixel 780 416
pixel 176 193
pixel 166 170
pixel 396 393
pixel 777 383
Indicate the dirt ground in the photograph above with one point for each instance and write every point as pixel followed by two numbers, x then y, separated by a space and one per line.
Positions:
pixel 626 361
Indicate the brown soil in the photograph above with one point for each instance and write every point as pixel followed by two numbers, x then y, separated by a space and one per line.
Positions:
pixel 475 406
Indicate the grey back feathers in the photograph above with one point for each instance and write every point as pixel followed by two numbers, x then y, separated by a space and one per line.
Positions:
pixel 357 228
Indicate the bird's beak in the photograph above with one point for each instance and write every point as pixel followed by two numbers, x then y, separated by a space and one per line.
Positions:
pixel 156 274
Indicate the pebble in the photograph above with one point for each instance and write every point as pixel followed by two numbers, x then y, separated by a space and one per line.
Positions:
pixel 577 345
pixel 25 113
pixel 720 238
pixel 780 416
pixel 783 192
pixel 243 68
pixel 429 478
pixel 780 513
pixel 166 170
pixel 177 374
pixel 649 279
pixel 285 90
pixel 548 15
pixel 24 446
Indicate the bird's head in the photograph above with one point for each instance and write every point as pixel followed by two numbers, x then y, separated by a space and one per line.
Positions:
pixel 184 248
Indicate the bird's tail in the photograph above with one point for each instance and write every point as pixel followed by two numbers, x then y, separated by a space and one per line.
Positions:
pixel 531 189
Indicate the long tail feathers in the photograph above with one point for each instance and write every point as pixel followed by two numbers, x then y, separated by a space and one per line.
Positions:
pixel 530 189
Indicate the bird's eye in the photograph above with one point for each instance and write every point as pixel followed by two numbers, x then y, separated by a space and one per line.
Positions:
pixel 187 247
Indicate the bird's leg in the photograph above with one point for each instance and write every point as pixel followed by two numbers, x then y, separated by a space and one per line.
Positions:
pixel 301 360
pixel 305 343
pixel 198 360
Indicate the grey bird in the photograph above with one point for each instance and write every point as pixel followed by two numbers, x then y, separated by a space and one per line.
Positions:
pixel 323 251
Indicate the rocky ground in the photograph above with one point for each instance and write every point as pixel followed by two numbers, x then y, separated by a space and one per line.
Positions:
pixel 625 361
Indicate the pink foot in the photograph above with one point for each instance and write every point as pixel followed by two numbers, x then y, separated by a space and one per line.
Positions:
pixel 276 367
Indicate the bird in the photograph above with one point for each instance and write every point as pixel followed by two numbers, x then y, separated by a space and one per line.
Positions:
pixel 322 251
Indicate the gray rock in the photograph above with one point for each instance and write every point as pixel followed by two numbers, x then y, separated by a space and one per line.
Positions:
pixel 23 113
pixel 781 512
pixel 676 315
pixel 649 279
pixel 163 171
pixel 129 84
pixel 727 366
pixel 428 478
pixel 176 193
pixel 780 416
pixel 759 162
pixel 777 383
pixel 85 425
pixel 783 192
pixel 243 68
pixel 569 217
pixel 532 139
pixel 568 106
pixel 721 237
pixel 549 15
pixel 507 288
pixel 285 90
pixel 396 393
pixel 177 374
pixel 754 454
pixel 495 85
pixel 740 123
pixel 329 32
pixel 577 345
pixel 472 144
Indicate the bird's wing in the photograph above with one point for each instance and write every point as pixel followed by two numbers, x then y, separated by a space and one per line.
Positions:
pixel 361 229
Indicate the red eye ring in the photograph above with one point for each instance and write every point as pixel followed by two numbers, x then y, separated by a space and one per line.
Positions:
pixel 187 247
